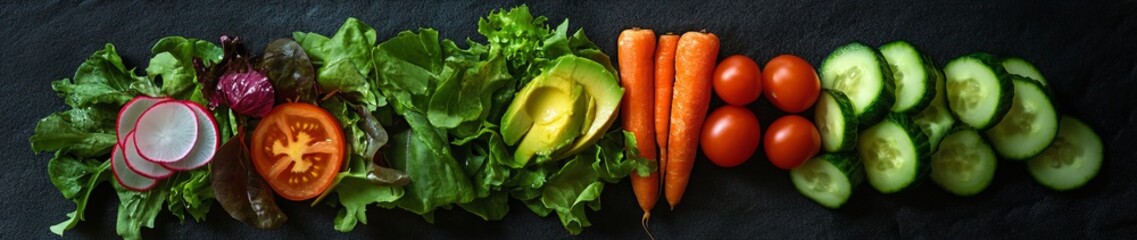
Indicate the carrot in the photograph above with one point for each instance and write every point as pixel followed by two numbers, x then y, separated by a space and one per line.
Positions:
pixel 695 58
pixel 635 55
pixel 664 80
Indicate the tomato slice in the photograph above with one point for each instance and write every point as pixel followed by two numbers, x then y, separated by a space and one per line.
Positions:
pixel 298 149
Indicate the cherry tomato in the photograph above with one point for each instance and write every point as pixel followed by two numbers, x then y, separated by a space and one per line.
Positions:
pixel 738 80
pixel 791 83
pixel 730 136
pixel 791 140
pixel 298 148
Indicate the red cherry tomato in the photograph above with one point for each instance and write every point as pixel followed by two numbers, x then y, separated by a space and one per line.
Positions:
pixel 791 140
pixel 738 80
pixel 730 136
pixel 791 83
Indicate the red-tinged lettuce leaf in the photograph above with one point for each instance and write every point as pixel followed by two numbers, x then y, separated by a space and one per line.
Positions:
pixel 241 191
pixel 290 70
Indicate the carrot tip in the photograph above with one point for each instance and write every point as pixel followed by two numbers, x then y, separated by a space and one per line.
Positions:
pixel 643 222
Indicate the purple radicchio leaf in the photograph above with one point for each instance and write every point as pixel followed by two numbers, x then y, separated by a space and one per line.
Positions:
pixel 246 91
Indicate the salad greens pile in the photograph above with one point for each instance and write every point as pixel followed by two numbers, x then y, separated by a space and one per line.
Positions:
pixel 440 102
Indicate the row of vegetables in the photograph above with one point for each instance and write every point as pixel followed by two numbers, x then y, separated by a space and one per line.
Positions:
pixel 887 114
pixel 419 123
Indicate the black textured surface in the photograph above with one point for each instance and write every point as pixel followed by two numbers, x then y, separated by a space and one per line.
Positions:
pixel 1087 50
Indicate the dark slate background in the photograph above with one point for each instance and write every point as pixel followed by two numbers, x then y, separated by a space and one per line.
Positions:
pixel 1087 50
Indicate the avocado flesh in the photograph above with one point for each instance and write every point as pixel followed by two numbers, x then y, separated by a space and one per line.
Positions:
pixel 606 93
pixel 591 112
pixel 556 108
pixel 516 122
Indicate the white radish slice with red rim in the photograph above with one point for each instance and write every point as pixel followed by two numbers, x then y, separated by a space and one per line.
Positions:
pixel 128 115
pixel 166 132
pixel 207 140
pixel 126 177
pixel 139 165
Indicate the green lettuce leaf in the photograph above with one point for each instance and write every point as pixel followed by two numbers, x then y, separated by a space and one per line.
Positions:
pixel 173 62
pixel 520 36
pixel 467 96
pixel 102 79
pixel 138 209
pixel 409 66
pixel 76 179
pixel 581 180
pixel 354 188
pixel 344 61
pixel 355 193
pixel 437 180
pixel 190 193
pixel 83 132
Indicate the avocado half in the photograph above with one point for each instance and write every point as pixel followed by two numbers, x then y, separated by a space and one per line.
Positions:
pixel 562 111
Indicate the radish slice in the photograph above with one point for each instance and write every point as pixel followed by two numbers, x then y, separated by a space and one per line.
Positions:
pixel 128 115
pixel 139 164
pixel 166 132
pixel 207 140
pixel 127 178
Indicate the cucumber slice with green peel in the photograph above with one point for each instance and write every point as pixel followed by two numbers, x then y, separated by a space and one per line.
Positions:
pixel 895 153
pixel 1072 160
pixel 835 121
pixel 1030 126
pixel 1019 66
pixel 935 119
pixel 862 74
pixel 965 164
pixel 828 179
pixel 914 75
pixel 979 90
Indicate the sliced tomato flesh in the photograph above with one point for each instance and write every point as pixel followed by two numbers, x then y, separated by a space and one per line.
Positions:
pixel 298 148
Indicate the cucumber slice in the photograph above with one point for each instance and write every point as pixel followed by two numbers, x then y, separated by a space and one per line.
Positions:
pixel 979 90
pixel 1030 126
pixel 914 76
pixel 895 153
pixel 965 164
pixel 935 119
pixel 835 121
pixel 1019 66
pixel 1072 160
pixel 828 179
pixel 861 73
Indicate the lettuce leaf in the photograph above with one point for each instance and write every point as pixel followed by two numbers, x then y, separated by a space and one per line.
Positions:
pixel 409 66
pixel 103 79
pixel 344 61
pixel 76 179
pixel 173 63
pixel 190 193
pixel 437 180
pixel 138 209
pixel 82 132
